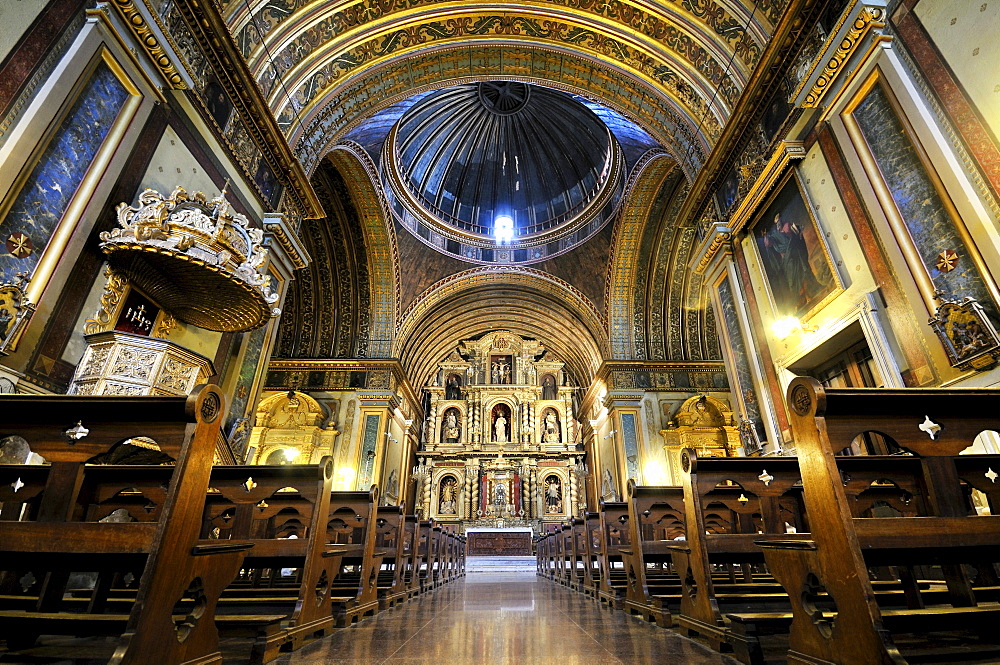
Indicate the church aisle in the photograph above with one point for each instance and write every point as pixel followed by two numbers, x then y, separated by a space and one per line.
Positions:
pixel 498 619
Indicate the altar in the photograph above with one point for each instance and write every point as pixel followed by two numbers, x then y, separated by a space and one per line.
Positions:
pixel 499 542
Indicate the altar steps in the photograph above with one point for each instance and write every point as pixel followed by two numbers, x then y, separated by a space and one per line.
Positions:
pixel 500 564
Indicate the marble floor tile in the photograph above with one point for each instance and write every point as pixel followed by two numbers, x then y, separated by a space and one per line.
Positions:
pixel 501 619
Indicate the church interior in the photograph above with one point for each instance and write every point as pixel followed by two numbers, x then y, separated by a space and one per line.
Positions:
pixel 638 330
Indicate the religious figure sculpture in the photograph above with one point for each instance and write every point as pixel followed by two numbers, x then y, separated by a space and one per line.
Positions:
pixel 553 496
pixel 550 428
pixel 451 432
pixel 452 388
pixel 449 490
pixel 608 489
pixel 549 387
pixel 500 495
pixel 495 374
pixel 500 429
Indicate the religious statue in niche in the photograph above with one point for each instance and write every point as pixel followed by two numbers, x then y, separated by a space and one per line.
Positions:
pixel 550 427
pixel 608 489
pixel 449 496
pixel 453 387
pixel 500 429
pixel 549 387
pixel 500 370
pixel 553 496
pixel 501 423
pixel 500 495
pixel 451 432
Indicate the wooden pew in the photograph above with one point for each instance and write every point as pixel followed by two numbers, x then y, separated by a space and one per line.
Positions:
pixel 351 529
pixel 656 518
pixel 55 530
pixel 828 572
pixel 592 561
pixel 427 553
pixel 730 505
pixel 614 535
pixel 390 536
pixel 412 558
pixel 283 510
pixel 580 556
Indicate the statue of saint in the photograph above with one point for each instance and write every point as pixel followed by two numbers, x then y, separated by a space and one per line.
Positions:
pixel 500 495
pixel 452 387
pixel 496 372
pixel 448 496
pixel 550 428
pixel 549 387
pixel 553 496
pixel 451 431
pixel 500 429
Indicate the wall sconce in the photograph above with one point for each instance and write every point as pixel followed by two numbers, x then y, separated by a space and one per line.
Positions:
pixel 290 455
pixel 782 328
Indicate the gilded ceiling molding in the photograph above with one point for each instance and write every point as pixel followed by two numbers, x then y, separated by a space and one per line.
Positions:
pixel 648 177
pixel 309 88
pixel 837 55
pixel 706 23
pixel 533 302
pixel 350 103
pixel 676 42
pixel 144 33
pixel 361 176
pixel 792 30
pixel 206 26
pixel 459 281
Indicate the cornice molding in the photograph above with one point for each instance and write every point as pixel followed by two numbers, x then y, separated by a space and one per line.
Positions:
pixel 213 36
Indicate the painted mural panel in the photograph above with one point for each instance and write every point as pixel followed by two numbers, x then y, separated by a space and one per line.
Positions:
pixel 46 193
pixel 796 261
pixel 741 362
pixel 368 444
pixel 920 204
pixel 631 442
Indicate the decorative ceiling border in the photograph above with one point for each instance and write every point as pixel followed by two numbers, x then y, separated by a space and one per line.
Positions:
pixel 639 101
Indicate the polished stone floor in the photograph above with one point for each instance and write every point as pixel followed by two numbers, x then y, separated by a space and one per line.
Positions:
pixel 503 619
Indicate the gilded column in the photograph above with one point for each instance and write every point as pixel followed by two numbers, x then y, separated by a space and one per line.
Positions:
pixel 476 481
pixel 467 503
pixel 573 492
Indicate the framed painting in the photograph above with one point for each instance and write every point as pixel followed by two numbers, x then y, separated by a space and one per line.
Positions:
pixel 793 253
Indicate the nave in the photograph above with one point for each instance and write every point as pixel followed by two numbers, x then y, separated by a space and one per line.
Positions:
pixel 503 618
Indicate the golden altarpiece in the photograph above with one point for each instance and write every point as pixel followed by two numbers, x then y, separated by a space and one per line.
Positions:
pixel 500 439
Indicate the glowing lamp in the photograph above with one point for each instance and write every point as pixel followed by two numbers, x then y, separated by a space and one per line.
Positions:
pixel 503 228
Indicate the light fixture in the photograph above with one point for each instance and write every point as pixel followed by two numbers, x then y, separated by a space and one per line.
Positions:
pixel 782 328
pixel 291 454
pixel 503 228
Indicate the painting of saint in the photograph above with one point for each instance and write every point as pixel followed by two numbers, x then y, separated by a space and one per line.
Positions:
pixel 793 255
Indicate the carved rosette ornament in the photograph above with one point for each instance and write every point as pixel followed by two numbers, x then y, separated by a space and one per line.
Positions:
pixel 194 257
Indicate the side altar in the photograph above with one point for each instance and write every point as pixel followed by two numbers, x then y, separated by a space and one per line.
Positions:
pixel 499 447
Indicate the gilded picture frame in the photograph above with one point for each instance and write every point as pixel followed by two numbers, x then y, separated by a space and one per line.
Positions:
pixel 791 249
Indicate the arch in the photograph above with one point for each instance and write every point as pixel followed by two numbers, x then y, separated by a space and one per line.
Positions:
pixel 447 493
pixel 355 99
pixel 649 178
pixel 530 302
pixel 361 175
pixel 290 410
